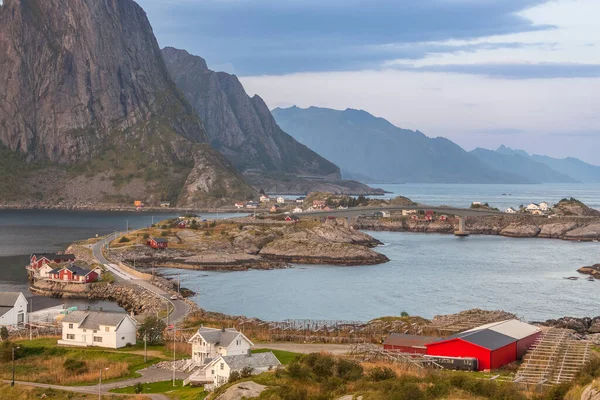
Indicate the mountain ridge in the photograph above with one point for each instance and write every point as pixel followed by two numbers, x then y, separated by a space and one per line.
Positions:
pixel 363 144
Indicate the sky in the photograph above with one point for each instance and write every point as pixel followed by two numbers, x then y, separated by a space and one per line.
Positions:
pixel 524 73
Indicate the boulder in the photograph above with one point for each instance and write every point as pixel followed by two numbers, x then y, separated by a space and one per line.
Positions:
pixel 520 230
pixel 587 232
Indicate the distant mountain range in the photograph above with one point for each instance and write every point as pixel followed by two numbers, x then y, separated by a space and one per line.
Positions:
pixel 371 149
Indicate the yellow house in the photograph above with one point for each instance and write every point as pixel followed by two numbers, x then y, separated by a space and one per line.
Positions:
pixel 137 203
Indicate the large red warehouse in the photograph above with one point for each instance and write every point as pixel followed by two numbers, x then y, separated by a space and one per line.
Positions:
pixel 493 345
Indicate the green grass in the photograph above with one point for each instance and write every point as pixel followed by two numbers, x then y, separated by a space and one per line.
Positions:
pixel 284 357
pixel 166 387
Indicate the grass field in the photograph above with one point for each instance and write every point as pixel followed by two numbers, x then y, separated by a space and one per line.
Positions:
pixel 176 393
pixel 41 360
pixel 30 393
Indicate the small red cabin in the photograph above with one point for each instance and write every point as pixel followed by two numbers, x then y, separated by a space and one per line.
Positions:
pixel 443 218
pixel 158 243
pixel 73 274
pixel 36 261
pixel 428 217
pixel 414 217
pixel 182 225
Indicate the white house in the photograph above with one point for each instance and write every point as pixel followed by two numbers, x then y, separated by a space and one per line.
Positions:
pixel 297 210
pixel 382 214
pixel 98 328
pixel 532 206
pixel 300 200
pixel 209 343
pixel 280 200
pixel 217 371
pixel 44 271
pixel 510 210
pixel 239 205
pixel 544 206
pixel 13 309
pixel 408 212
pixel 537 212
pixel 476 203
pixel 251 204
pixel 264 198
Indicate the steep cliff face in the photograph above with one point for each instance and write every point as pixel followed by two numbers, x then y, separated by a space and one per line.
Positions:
pixel 241 127
pixel 83 87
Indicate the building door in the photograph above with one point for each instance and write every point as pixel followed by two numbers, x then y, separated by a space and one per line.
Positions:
pixel 20 318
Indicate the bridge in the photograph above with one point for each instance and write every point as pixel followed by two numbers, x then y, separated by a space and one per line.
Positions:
pixel 355 212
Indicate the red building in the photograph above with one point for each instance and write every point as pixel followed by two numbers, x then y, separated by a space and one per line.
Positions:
pixel 37 260
pixel 413 344
pixel 443 218
pixel 493 345
pixel 158 243
pixel 73 274
pixel 292 218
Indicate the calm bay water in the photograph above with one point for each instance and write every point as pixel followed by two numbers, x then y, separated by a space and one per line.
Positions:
pixel 428 274
pixel 23 232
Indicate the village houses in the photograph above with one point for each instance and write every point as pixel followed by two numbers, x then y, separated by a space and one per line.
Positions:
pixel 300 200
pixel 158 243
pixel 510 210
pixel 319 204
pixel 98 328
pixel 38 260
pixel 297 210
pixel 72 274
pixel 264 198
pixel 239 205
pixel 280 200
pixel 13 309
pixel 216 353
pixel 252 204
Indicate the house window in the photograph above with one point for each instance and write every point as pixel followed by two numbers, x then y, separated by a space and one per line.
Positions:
pixel 85 330
pixel 95 331
pixel 222 366
pixel 212 371
pixel 106 329
pixel 122 337
pixel 98 339
pixel 70 336
pixel 70 326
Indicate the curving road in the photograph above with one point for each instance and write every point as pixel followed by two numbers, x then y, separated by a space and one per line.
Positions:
pixel 358 211
pixel 180 307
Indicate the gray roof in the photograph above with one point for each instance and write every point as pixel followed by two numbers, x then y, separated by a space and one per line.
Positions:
pixel 4 310
pixel 218 337
pixel 485 338
pixel 93 319
pixel 54 256
pixel 257 360
pixel 8 299
pixel 38 303
pixel 75 270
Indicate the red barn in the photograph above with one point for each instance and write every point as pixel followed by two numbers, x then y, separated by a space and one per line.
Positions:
pixel 73 274
pixel 412 344
pixel 493 345
pixel 158 243
pixel 37 260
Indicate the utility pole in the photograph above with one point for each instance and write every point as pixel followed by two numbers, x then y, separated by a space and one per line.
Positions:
pixel 178 283
pixel 13 365
pixel 145 351
pixel 29 321
pixel 174 335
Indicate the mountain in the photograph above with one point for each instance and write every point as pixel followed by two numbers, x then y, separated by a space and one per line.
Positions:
pixel 364 145
pixel 88 106
pixel 515 163
pixel 242 127
pixel 576 169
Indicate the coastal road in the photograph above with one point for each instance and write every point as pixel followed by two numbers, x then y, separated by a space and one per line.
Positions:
pixel 358 211
pixel 180 307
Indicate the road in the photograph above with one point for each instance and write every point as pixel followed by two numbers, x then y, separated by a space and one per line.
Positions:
pixel 180 307
pixel 358 211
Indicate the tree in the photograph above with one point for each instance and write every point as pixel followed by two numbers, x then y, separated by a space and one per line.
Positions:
pixel 152 328
pixel 4 333
pixel 261 191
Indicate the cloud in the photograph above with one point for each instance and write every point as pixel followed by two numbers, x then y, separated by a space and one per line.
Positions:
pixel 277 37
pixel 516 70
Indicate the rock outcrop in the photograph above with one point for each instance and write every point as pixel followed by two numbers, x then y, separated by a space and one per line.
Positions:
pixel 87 102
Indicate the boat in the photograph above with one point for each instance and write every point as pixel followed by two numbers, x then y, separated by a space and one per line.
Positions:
pixel 571 278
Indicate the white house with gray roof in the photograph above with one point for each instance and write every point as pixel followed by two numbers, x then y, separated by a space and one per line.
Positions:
pixel 209 343
pixel 13 309
pixel 218 371
pixel 98 328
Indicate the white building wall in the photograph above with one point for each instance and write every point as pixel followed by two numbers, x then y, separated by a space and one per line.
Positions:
pixel 12 316
pixel 109 336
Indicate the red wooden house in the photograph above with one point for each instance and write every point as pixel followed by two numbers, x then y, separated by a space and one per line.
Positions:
pixel 412 344
pixel 158 243
pixel 37 260
pixel 73 274
pixel 443 218
pixel 429 217
pixel 493 345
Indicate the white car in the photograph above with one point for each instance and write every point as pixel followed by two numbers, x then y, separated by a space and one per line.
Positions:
pixel 174 297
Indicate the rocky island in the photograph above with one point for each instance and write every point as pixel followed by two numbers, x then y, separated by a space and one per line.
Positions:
pixel 244 243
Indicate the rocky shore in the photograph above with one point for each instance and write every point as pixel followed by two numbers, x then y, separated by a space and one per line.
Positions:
pixel 131 297
pixel 525 226
pixel 593 270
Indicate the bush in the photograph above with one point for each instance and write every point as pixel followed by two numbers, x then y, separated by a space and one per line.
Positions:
pixel 75 367
pixel 246 372
pixel 3 333
pixel 164 233
pixel 234 376
pixel 297 370
pixel 381 374
pixel 348 370
pixel 293 393
pixel 138 388
pixel 404 314
pixel 146 236
pixel 207 233
pixel 152 328
pixel 124 239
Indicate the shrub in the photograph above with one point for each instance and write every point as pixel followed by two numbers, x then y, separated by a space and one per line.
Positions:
pixel 3 333
pixel 75 367
pixel 146 236
pixel 124 239
pixel 404 314
pixel 381 374
pixel 246 372
pixel 349 370
pixel 152 328
pixel 293 393
pixel 234 376
pixel 297 370
pixel 207 233
pixel 138 388
pixel 164 233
